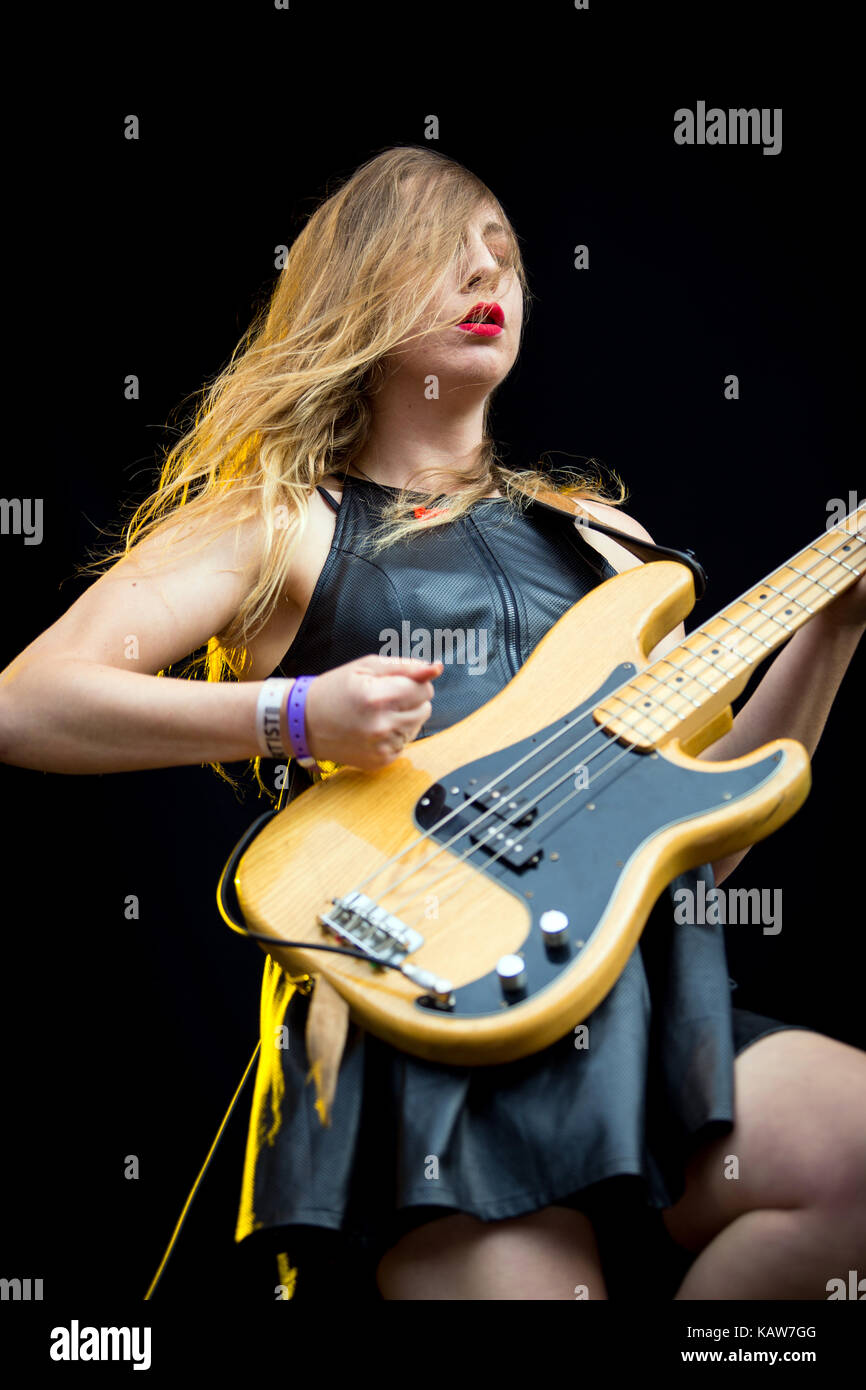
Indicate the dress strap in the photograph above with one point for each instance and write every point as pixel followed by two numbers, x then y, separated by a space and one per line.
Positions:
pixel 331 501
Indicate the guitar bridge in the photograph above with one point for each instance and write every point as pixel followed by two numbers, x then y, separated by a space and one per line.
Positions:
pixel 358 921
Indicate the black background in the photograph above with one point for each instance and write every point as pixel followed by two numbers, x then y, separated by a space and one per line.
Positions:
pixel 148 258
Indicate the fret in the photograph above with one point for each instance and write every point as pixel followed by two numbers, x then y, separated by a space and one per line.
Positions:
pixel 713 637
pixel 756 609
pixel 734 651
pixel 749 633
pixel 715 642
pixel 665 660
pixel 848 567
pixel 696 655
pixel 781 592
pixel 641 714
pixel 645 698
pixel 691 675
pixel 825 587
pixel 713 689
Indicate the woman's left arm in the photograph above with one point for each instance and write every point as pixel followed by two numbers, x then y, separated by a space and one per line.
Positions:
pixel 794 698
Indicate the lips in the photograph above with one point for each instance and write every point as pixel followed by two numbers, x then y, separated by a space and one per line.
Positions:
pixel 487 320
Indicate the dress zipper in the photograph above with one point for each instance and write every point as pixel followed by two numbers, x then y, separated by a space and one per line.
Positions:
pixel 511 623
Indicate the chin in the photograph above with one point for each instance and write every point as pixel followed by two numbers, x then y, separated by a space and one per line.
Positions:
pixel 484 367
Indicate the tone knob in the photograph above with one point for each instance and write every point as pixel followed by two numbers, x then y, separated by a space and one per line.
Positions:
pixel 512 974
pixel 554 926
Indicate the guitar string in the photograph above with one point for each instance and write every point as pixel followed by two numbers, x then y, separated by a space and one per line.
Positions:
pixel 716 640
pixel 766 615
pixel 597 728
pixel 492 831
pixel 456 860
pixel 508 820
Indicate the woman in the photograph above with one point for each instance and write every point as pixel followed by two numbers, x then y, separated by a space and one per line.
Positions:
pixel 340 476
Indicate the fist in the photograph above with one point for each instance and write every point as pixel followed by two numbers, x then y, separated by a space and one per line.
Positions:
pixel 364 713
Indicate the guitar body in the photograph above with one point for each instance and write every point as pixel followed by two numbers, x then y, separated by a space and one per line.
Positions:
pixel 425 838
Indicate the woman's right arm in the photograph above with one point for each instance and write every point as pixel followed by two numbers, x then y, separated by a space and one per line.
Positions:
pixel 84 696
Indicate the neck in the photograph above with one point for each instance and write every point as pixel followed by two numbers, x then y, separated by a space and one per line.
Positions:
pixel 410 434
pixel 678 694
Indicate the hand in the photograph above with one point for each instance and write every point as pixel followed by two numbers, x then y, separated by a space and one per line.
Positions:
pixel 364 713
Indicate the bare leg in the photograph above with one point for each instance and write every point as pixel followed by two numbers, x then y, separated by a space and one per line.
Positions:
pixel 794 1215
pixel 548 1254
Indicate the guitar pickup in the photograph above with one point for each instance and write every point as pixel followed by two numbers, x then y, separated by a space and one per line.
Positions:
pixel 504 839
pixel 496 824
pixel 507 808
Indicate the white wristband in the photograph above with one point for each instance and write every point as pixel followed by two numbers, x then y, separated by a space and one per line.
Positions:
pixel 270 711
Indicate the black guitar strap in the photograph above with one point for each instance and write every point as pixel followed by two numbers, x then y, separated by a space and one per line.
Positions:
pixel 642 550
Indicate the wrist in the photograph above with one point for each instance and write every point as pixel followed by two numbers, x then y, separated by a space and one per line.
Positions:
pixel 297 721
pixel 271 721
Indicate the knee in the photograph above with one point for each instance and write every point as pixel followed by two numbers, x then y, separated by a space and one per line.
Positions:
pixel 837 1184
pixel 549 1254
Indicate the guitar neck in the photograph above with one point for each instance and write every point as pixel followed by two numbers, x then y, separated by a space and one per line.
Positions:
pixel 679 692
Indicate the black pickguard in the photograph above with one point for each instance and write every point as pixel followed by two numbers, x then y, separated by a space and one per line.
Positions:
pixel 574 860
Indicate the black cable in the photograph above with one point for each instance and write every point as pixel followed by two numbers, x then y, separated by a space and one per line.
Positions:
pixel 314 946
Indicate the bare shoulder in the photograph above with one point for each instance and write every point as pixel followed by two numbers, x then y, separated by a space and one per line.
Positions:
pixel 227 540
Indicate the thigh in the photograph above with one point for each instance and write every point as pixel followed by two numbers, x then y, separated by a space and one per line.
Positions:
pixel 799 1137
pixel 547 1254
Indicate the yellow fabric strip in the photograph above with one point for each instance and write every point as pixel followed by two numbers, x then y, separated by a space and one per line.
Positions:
pixel 277 990
pixel 287 1276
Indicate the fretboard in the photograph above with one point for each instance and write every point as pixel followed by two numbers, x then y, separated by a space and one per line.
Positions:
pixel 679 691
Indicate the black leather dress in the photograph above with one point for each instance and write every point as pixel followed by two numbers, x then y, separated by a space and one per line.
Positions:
pixel 606 1129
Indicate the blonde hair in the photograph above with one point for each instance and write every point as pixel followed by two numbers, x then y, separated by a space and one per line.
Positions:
pixel 296 400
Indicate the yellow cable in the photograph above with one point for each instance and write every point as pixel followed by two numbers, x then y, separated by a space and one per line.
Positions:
pixel 186 1205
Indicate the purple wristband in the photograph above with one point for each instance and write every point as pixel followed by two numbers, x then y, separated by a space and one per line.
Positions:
pixel 297 721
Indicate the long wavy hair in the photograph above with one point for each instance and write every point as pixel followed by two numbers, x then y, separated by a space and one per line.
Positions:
pixel 296 399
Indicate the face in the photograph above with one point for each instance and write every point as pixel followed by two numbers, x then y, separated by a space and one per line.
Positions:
pixel 483 353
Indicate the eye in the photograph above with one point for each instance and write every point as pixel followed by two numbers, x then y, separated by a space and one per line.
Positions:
pixel 502 250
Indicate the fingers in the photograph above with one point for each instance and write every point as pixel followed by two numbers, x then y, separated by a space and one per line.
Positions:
pixel 411 723
pixel 366 712
pixel 398 684
pixel 402 696
pixel 409 666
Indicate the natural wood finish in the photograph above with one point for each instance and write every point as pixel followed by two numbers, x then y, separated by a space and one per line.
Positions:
pixel 673 697
pixel 329 839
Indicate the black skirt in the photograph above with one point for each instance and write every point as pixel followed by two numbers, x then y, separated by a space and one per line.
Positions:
pixel 603 1121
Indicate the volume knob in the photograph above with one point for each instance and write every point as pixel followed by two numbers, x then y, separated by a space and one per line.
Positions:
pixel 554 927
pixel 512 974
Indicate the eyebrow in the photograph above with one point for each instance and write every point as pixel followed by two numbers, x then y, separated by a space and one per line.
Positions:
pixel 492 227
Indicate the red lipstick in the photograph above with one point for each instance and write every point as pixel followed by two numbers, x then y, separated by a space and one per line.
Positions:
pixel 486 320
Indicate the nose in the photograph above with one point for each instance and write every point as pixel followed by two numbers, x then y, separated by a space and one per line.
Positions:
pixel 484 270
pixel 483 278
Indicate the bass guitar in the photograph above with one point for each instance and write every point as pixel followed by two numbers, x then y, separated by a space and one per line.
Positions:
pixel 482 894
